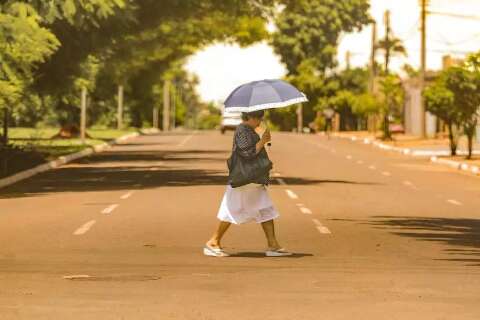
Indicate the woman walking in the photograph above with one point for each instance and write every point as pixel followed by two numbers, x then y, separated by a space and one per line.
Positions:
pixel 246 198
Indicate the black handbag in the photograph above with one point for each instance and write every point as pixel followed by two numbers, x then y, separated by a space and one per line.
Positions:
pixel 244 171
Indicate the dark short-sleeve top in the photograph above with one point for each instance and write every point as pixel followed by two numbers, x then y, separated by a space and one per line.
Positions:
pixel 245 143
pixel 245 140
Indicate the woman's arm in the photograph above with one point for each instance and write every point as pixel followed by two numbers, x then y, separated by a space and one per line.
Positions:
pixel 266 137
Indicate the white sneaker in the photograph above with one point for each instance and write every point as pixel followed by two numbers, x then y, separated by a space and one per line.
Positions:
pixel 214 252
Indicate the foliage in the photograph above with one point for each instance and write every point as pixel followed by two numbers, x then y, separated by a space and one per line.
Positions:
pixel 209 117
pixel 366 104
pixel 455 98
pixel 310 29
pixel 24 43
pixel 306 40
pixel 391 46
pixel 392 97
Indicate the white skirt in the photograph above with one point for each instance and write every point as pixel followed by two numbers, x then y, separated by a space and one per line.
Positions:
pixel 247 203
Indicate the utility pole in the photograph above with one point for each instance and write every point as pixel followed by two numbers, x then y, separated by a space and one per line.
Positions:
pixel 174 105
pixel 348 56
pixel 300 118
pixel 155 117
pixel 423 63
pixel 372 123
pixel 166 105
pixel 83 115
pixel 120 108
pixel 373 67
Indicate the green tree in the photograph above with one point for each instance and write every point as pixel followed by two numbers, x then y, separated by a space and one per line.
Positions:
pixel 440 101
pixel 464 83
pixel 24 43
pixel 392 96
pixel 306 40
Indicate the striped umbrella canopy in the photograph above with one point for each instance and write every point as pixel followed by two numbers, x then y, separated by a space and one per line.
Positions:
pixel 262 95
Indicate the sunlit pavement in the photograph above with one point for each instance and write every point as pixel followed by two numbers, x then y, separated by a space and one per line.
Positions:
pixel 119 235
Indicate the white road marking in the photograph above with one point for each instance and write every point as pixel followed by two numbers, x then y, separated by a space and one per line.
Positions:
pixel 409 184
pixel 320 227
pixel 138 185
pixel 386 173
pixel 372 168
pixel 184 141
pixel 126 195
pixel 324 230
pixel 83 229
pixel 300 205
pixel 305 210
pixel 359 162
pixel 109 209
pixel 291 194
pixel 454 202
pixel 349 157
pixel 281 181
pixel 276 174
pixel 76 276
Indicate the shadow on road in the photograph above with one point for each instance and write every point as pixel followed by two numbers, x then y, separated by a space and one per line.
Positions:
pixel 463 234
pixel 262 255
pixel 129 169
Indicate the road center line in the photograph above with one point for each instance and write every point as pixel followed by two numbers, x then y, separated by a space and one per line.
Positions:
pixel 349 157
pixel 126 195
pixel 386 173
pixel 454 202
pixel 323 230
pixel 83 229
pixel 281 181
pixel 372 168
pixel 320 227
pixel 359 162
pixel 305 210
pixel 291 194
pixel 109 209
pixel 409 184
pixel 186 139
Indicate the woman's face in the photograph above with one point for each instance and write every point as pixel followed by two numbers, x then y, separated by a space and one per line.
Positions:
pixel 255 122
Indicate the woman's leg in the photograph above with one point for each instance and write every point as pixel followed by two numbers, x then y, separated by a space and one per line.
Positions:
pixel 214 241
pixel 269 229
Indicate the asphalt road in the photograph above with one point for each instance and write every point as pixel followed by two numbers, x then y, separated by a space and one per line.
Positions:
pixel 119 235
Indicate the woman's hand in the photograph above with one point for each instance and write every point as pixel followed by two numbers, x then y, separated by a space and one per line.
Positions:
pixel 266 137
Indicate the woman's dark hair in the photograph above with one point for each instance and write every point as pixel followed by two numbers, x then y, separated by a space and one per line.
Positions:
pixel 254 114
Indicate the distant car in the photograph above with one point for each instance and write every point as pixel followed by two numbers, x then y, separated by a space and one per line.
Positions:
pixel 396 128
pixel 230 121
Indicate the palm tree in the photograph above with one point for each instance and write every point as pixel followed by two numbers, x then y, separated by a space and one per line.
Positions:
pixel 391 46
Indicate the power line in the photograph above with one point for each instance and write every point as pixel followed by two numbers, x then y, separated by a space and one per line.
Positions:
pixel 455 15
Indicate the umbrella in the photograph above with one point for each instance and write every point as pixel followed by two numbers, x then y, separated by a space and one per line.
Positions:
pixel 262 95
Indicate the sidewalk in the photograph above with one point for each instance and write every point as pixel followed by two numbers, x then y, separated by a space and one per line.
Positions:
pixel 438 150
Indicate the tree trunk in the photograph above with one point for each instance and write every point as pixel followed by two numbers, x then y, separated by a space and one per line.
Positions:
pixel 386 128
pixel 470 132
pixel 470 146
pixel 5 126
pixel 453 140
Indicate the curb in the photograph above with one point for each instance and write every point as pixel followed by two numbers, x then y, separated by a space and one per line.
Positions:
pixel 68 158
pixel 457 165
pixel 419 153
